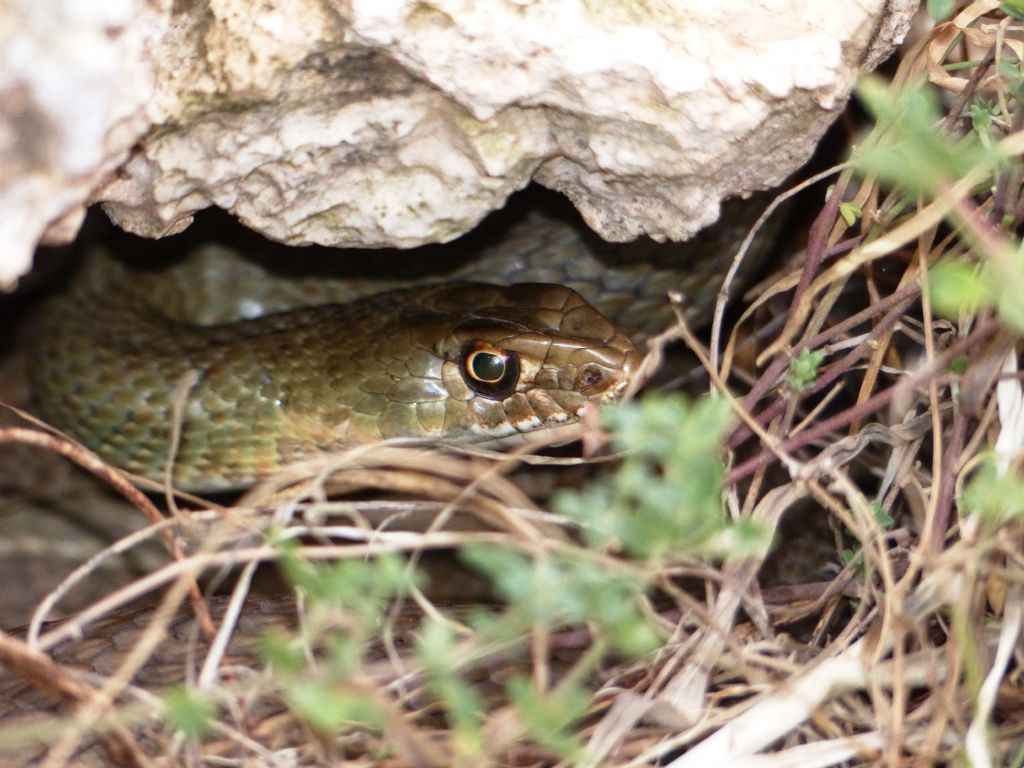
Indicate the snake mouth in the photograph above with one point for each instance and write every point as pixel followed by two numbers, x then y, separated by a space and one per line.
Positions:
pixel 608 384
pixel 618 390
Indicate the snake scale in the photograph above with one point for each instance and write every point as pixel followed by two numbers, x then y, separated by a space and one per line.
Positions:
pixel 506 339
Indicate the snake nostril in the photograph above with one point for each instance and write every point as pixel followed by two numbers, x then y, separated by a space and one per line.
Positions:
pixel 591 377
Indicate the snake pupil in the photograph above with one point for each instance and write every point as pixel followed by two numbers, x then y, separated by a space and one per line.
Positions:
pixel 490 372
pixel 486 366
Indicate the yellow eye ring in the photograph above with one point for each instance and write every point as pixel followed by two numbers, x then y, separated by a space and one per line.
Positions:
pixel 486 366
pixel 488 371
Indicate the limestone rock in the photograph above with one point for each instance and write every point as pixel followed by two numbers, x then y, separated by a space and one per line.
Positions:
pixel 401 122
pixel 75 82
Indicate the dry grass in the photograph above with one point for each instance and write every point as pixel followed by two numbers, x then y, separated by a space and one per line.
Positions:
pixel 907 653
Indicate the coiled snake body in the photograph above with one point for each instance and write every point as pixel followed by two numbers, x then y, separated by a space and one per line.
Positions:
pixel 455 360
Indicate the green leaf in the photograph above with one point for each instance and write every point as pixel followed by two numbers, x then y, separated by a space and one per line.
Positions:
pixel 465 707
pixel 940 10
pixel 665 501
pixel 547 716
pixel 282 651
pixel 957 287
pixel 906 149
pixel 189 711
pixel 850 212
pixel 1010 297
pixel 566 589
pixel 1014 8
pixel 331 707
pixel 997 496
pixel 363 588
pixel 883 518
pixel 744 538
pixel 958 364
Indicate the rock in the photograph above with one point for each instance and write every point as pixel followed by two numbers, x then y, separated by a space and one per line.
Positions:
pixel 75 85
pixel 397 123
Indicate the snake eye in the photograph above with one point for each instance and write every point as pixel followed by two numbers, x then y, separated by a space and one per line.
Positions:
pixel 486 366
pixel 488 371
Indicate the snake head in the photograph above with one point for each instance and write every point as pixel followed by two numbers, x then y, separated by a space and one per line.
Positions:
pixel 523 358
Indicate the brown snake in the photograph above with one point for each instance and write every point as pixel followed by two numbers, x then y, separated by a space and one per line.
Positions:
pixel 452 361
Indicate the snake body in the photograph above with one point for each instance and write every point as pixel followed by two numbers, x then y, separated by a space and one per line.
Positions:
pixel 271 383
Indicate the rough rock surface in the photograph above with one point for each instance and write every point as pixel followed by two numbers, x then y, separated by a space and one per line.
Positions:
pixel 75 83
pixel 394 122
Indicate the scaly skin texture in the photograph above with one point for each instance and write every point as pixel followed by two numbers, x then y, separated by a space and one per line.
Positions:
pixel 270 390
pixel 276 389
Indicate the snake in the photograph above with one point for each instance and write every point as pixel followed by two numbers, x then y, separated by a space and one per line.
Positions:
pixel 488 342
pixel 263 362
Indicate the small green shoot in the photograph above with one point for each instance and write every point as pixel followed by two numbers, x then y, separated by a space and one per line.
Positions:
pixel 332 706
pixel 548 715
pixel 803 370
pixel 189 711
pixel 982 112
pixel 346 604
pixel 283 652
pixel 436 649
pixel 851 213
pixel 906 150
pixel 361 586
pixel 997 497
pixel 665 500
pixel 567 589
pixel 883 518
pixel 854 555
